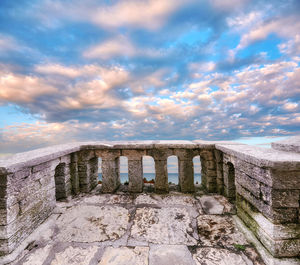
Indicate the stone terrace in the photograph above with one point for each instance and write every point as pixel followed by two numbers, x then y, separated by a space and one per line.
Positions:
pixel 140 229
pixel 53 211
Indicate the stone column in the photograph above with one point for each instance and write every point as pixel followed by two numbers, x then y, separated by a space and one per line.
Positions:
pixel 84 170
pixel 110 169
pixel 219 164
pixel 209 170
pixel 74 173
pixel 186 169
pixel 160 157
pixel 135 169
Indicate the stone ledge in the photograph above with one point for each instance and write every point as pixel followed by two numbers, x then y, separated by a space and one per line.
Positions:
pixel 292 144
pixel 262 157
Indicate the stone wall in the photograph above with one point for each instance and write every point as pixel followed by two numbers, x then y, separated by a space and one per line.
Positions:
pixel 265 184
pixel 267 196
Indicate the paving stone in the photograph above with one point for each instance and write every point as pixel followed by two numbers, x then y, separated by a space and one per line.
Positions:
pixel 211 205
pixel 170 255
pixel 163 226
pixel 115 199
pixel 75 256
pixel 96 199
pixel 216 230
pixel 86 223
pixel 38 256
pixel 125 256
pixel 217 256
pixel 145 199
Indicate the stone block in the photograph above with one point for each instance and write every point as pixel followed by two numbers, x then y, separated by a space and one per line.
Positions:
pixel 248 183
pixel 159 153
pixel 135 175
pixel 185 154
pixel 161 176
pixel 186 176
pixel 133 154
pixel 276 215
pixel 207 154
pixel 280 198
pixel 108 154
pixel 110 175
pixel 289 179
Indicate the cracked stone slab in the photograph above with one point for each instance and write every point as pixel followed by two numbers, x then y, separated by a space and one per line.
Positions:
pixel 75 256
pixel 229 208
pixel 217 230
pixel 125 256
pixel 163 226
pixel 170 255
pixel 218 256
pixel 87 223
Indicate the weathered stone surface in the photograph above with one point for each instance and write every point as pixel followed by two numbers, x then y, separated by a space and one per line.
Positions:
pixel 216 256
pixel 170 255
pixel 163 226
pixel 210 205
pixel 74 256
pixel 135 175
pixel 291 144
pixel 215 230
pixel 110 175
pixel 38 257
pixel 170 199
pixel 186 175
pixel 161 176
pixel 125 256
pixel 97 223
pixel 263 157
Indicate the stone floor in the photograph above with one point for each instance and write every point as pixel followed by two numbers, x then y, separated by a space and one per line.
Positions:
pixel 147 228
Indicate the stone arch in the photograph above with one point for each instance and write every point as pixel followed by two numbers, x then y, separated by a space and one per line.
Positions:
pixel 229 180
pixel 123 169
pixel 149 173
pixel 173 169
pixel 197 169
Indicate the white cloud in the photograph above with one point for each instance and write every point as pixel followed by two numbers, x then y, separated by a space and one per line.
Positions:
pixel 22 88
pixel 261 31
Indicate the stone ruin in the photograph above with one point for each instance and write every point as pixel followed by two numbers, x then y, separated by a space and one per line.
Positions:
pixel 263 183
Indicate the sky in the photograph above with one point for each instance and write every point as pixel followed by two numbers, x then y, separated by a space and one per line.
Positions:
pixel 157 69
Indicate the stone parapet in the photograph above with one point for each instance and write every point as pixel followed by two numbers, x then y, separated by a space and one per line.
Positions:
pixel 265 183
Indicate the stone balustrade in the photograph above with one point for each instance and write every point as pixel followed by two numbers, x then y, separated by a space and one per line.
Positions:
pixel 264 183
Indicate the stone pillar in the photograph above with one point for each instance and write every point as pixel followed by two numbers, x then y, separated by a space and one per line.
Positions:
pixel 186 169
pixel 86 182
pixel 219 164
pixel 74 174
pixel 110 169
pixel 160 157
pixel 135 169
pixel 209 170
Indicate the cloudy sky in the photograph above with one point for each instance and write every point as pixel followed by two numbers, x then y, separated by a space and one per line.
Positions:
pixel 157 69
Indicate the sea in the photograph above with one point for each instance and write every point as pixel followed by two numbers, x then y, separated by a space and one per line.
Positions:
pixel 172 177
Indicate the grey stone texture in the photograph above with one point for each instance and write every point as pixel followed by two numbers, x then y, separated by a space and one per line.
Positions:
pixel 263 183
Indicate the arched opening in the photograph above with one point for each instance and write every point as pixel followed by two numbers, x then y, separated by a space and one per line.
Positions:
pixel 197 170
pixel 60 182
pixel 148 170
pixel 172 165
pixel 229 181
pixel 123 170
pixel 99 170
